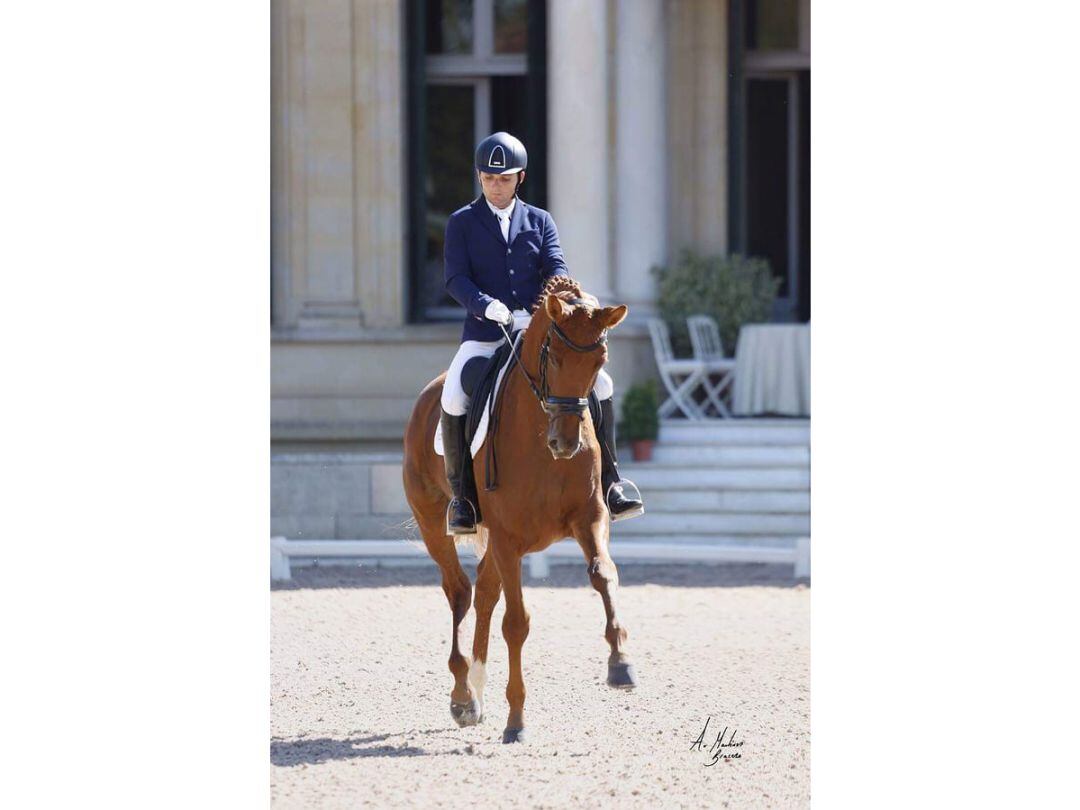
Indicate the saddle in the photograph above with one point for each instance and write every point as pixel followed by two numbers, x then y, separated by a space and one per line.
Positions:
pixel 478 378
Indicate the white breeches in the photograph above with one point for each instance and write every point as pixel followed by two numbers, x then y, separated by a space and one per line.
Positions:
pixel 454 400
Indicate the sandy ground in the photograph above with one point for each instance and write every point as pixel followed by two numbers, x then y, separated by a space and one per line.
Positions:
pixel 360 693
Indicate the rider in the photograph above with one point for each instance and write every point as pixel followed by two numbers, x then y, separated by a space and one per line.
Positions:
pixel 499 253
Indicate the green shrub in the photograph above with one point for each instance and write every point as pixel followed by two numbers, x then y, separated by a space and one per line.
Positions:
pixel 732 289
pixel 639 407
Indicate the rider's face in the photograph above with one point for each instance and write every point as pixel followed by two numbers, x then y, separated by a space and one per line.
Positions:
pixel 499 188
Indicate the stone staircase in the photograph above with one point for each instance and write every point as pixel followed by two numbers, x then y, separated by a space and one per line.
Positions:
pixel 737 483
pixel 743 482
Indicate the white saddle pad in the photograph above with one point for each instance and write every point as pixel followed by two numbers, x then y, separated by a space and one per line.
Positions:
pixel 481 429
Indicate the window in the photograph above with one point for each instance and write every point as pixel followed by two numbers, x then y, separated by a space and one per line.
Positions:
pixel 770 143
pixel 470 62
pixel 772 25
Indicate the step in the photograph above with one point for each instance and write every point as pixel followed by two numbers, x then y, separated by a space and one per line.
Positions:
pixel 712 500
pixel 655 476
pixel 726 455
pixel 675 524
pixel 730 431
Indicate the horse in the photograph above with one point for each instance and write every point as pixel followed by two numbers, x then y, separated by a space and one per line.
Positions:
pixel 548 488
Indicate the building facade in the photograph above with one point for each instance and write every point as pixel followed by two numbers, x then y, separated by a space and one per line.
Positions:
pixel 652 126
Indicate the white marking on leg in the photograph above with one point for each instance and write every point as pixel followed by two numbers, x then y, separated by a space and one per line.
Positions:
pixel 477 679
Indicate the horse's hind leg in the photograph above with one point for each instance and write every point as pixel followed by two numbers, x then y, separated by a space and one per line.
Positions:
pixel 593 539
pixel 464 707
pixel 488 588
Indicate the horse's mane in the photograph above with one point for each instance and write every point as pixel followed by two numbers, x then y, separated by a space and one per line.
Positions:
pixel 562 286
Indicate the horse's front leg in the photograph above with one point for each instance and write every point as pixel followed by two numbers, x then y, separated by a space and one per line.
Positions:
pixel 488 588
pixel 515 630
pixel 592 536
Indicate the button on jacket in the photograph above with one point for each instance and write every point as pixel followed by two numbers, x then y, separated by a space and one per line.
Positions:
pixel 482 265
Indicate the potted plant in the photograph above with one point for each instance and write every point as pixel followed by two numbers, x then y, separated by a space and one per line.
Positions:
pixel 641 424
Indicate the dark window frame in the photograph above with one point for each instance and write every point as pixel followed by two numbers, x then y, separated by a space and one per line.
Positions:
pixel 787 65
pixel 420 67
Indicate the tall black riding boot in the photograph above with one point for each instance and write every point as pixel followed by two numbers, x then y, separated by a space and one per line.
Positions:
pixel 460 514
pixel 619 505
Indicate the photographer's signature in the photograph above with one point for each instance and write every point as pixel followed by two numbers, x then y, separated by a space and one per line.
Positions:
pixel 725 745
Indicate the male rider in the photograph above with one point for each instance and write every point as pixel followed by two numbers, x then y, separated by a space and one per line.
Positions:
pixel 499 253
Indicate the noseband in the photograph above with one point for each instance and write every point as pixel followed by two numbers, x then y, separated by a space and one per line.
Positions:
pixel 555 406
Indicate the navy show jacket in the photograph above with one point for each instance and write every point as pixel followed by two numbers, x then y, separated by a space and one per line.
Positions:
pixel 481 266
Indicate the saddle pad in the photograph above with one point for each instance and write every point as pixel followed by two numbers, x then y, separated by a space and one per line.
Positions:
pixel 481 427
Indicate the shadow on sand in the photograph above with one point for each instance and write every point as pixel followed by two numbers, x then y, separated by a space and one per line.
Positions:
pixel 316 750
pixel 313 751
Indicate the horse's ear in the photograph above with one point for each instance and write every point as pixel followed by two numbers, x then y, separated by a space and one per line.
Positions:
pixel 556 309
pixel 611 317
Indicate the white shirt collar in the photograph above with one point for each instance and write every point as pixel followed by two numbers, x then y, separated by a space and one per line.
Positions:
pixel 502 212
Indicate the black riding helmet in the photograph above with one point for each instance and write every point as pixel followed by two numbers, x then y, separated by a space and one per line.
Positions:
pixel 501 153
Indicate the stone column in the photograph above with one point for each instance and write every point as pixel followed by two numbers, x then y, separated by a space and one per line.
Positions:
pixel 579 145
pixel 640 152
pixel 338 248
pixel 321 158
pixel 378 123
pixel 697 125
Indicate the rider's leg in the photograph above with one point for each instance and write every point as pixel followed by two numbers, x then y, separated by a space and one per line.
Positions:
pixel 460 514
pixel 619 504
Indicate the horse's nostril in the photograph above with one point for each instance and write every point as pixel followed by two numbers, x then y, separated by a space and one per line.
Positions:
pixel 553 444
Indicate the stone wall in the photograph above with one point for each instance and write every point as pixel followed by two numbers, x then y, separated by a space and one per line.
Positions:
pixel 324 496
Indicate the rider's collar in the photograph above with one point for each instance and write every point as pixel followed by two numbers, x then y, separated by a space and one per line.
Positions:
pixel 500 212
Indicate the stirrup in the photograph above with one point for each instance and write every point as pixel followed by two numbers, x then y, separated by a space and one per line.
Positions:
pixel 472 509
pixel 629 513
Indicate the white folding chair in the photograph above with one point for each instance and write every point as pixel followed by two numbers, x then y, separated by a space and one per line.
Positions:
pixel 681 376
pixel 708 348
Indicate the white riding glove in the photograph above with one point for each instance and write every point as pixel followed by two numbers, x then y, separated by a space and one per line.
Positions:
pixel 497 311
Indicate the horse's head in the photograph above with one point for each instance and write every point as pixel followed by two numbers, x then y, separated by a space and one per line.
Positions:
pixel 573 351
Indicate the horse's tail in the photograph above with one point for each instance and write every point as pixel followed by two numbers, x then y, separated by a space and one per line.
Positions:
pixel 480 541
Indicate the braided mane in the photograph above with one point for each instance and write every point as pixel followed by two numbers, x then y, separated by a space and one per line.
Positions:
pixel 563 287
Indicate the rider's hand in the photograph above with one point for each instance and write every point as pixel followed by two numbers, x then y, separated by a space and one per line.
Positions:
pixel 497 311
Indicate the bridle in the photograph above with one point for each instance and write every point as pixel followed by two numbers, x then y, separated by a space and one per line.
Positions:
pixel 555 406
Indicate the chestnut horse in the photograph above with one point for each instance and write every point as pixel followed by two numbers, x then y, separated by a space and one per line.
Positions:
pixel 548 488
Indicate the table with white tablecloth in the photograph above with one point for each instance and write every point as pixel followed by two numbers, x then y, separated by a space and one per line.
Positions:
pixel 772 370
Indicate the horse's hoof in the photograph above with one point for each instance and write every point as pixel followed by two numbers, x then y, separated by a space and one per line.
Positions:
pixel 621 676
pixel 514 735
pixel 465 714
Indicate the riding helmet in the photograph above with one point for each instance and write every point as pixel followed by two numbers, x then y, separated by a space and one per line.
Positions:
pixel 501 153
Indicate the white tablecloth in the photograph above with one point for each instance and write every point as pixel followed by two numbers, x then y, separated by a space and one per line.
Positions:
pixel 772 370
